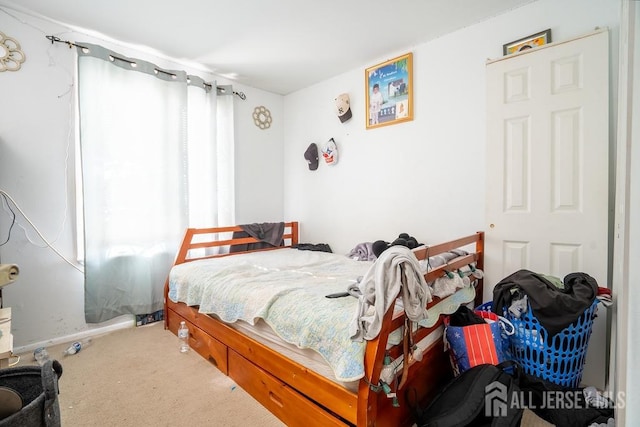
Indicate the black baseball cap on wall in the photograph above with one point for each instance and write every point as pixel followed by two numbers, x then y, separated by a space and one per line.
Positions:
pixel 312 156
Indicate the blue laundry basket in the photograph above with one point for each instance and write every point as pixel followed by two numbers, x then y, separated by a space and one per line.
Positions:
pixel 559 360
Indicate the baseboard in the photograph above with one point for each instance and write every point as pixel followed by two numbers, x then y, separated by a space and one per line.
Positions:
pixel 122 322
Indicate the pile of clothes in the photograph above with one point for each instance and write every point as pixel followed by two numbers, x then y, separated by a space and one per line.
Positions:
pixel 370 251
pixel 555 304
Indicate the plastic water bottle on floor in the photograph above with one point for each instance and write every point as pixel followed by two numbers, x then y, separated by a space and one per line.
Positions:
pixel 183 335
pixel 76 347
pixel 41 355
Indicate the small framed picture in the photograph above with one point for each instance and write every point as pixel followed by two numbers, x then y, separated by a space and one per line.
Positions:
pixel 534 40
pixel 389 92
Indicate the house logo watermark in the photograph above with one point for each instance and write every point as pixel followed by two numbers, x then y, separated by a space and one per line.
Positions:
pixel 498 400
pixel 495 400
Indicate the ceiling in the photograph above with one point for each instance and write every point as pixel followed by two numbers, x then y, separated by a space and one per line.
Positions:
pixel 276 45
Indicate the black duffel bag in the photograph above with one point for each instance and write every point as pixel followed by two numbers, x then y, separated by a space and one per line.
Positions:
pixel 496 396
pixel 463 401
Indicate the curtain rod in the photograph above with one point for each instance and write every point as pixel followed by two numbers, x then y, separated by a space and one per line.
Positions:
pixel 222 90
pixel 67 42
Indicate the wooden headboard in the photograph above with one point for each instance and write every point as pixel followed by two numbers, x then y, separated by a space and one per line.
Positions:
pixel 192 241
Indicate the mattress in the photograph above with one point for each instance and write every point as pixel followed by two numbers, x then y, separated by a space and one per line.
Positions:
pixel 311 359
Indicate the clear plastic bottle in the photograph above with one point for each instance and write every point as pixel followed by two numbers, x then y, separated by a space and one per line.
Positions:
pixel 77 346
pixel 41 355
pixel 183 336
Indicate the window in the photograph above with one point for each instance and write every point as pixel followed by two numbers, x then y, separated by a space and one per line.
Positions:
pixel 155 159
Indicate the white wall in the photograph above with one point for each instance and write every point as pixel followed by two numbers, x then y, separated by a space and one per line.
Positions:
pixel 37 170
pixel 424 177
pixel 632 355
pixel 259 164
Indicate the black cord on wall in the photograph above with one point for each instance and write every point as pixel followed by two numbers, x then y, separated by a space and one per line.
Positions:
pixel 13 221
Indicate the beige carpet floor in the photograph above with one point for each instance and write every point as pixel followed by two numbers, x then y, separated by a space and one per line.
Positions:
pixel 137 377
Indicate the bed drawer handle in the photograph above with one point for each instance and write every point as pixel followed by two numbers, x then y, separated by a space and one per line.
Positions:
pixel 275 399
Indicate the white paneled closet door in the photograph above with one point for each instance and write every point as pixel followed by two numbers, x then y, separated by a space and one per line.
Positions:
pixel 547 179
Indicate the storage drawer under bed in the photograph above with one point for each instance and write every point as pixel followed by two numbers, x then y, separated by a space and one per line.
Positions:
pixel 207 346
pixel 284 402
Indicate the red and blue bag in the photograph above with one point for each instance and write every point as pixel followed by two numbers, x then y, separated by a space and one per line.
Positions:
pixel 478 344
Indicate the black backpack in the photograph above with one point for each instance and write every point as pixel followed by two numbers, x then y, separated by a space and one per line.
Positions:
pixel 479 396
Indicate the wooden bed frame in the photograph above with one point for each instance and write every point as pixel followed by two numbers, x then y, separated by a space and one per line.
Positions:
pixel 297 395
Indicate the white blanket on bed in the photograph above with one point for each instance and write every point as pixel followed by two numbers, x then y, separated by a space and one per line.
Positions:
pixel 290 297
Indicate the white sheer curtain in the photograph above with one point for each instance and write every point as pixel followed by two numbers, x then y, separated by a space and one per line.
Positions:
pixel 149 156
pixel 211 200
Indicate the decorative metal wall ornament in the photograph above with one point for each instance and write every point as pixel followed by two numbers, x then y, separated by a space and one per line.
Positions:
pixel 11 56
pixel 262 117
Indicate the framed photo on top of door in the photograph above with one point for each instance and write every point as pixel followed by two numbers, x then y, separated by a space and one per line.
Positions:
pixel 534 40
pixel 389 92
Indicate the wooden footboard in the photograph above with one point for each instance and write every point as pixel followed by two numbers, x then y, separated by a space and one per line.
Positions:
pixel 300 396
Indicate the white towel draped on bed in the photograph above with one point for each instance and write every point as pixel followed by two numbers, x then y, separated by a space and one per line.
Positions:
pixel 396 270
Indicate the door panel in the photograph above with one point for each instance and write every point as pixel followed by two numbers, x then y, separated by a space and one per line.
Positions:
pixel 547 168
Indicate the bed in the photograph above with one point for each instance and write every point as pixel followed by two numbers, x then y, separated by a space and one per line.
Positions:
pixel 300 380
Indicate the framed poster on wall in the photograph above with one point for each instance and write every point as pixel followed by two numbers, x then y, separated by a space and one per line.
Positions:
pixel 389 92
